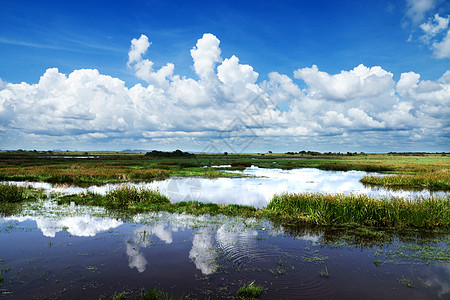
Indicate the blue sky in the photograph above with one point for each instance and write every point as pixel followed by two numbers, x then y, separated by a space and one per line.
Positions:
pixel 276 40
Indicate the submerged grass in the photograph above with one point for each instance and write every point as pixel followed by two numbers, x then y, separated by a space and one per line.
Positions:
pixel 341 209
pixel 157 294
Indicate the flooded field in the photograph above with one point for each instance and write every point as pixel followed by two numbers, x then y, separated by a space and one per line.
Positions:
pixel 67 251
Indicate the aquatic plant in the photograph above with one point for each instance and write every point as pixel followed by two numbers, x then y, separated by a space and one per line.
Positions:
pixel 406 282
pixel 157 294
pixel 324 273
pixel 342 209
pixel 250 290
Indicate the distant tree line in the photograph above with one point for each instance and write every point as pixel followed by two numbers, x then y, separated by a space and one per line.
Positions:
pixel 314 153
pixel 176 153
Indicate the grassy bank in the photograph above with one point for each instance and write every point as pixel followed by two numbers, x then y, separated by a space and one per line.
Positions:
pixel 131 199
pixel 340 209
pixel 438 180
pixel 317 209
pixel 12 196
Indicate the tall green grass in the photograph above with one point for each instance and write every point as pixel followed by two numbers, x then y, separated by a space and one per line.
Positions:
pixel 133 199
pixel 439 179
pixel 12 193
pixel 340 209
pixel 128 197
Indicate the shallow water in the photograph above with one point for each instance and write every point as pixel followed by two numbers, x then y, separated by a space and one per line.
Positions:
pixel 51 251
pixel 256 190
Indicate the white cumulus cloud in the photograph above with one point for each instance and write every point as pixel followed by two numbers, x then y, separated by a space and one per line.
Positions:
pixel 417 9
pixel 359 82
pixel 225 103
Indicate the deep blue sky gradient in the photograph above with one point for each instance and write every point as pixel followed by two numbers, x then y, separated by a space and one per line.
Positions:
pixel 277 36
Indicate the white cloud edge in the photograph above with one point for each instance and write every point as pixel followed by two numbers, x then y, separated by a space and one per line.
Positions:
pixel 92 106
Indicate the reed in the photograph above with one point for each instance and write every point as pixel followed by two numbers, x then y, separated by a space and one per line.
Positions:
pixel 341 209
pixel 129 197
pixel 439 179
pixel 12 193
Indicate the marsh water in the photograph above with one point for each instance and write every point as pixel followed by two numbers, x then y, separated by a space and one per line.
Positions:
pixel 67 251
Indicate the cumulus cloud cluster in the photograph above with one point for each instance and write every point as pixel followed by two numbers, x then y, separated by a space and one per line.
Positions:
pixel 434 30
pixel 225 104
pixel 436 33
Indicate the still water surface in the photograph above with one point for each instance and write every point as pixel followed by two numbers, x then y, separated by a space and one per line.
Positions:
pixel 51 251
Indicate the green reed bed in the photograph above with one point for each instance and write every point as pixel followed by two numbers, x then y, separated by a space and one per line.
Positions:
pixel 12 196
pixel 134 199
pixel 12 193
pixel 316 209
pixel 124 197
pixel 341 209
pixel 436 180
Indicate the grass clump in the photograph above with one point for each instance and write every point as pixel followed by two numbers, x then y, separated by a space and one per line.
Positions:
pixel 129 197
pixel 250 290
pixel 341 209
pixel 132 199
pixel 12 193
pixel 122 198
pixel 12 196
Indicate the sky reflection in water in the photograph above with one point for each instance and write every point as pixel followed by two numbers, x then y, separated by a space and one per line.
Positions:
pixel 148 242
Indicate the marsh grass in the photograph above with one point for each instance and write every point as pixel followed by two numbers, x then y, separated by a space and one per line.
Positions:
pixel 12 197
pixel 133 199
pixel 439 179
pixel 249 291
pixel 12 193
pixel 316 209
pixel 341 209
pixel 124 197
pixel 137 167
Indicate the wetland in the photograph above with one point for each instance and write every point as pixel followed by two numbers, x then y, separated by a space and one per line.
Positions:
pixel 217 226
